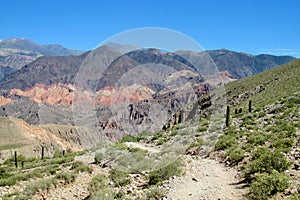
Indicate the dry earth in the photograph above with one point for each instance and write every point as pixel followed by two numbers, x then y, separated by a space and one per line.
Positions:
pixel 206 179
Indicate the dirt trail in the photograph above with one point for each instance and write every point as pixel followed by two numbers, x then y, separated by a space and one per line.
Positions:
pixel 205 179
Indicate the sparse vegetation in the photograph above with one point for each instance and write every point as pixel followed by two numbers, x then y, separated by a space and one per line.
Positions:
pixel 266 185
pixel 173 169
pixel 119 178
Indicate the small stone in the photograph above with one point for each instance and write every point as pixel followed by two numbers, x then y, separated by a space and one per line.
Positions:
pixel 294 191
pixel 194 179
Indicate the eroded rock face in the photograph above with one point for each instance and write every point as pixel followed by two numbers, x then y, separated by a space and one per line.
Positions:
pixel 28 139
pixel 4 101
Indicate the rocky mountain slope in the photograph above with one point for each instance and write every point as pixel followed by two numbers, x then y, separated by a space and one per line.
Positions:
pixel 28 139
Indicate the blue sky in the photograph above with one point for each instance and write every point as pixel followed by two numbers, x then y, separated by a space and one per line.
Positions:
pixel 253 26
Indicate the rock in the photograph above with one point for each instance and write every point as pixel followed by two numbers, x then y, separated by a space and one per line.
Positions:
pixel 194 179
pixel 294 191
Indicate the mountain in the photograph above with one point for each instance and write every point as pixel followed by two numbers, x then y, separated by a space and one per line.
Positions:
pixel 45 70
pixel 17 52
pixel 25 46
pixel 63 69
pixel 58 50
pixel 242 65
pixel 238 64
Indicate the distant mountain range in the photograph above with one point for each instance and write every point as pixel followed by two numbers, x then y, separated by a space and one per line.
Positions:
pixel 17 52
pixel 52 69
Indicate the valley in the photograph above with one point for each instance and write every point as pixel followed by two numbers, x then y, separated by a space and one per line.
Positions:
pixel 155 136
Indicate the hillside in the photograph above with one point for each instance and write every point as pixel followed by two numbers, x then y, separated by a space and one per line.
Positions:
pixel 256 157
pixel 266 87
pixel 28 139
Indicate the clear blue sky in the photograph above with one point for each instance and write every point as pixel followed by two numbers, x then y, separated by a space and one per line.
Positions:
pixel 253 26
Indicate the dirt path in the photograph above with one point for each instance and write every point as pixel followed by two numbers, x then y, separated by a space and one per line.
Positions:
pixel 205 179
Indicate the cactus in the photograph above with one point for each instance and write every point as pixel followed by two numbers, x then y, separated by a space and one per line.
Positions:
pixel 43 149
pixel 250 105
pixel 16 159
pixel 227 116
pixel 240 110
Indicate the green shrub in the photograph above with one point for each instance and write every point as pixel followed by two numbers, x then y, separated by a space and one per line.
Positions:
pixel 267 185
pixel 265 161
pixel 257 138
pixel 225 141
pixel 144 134
pixel 120 146
pixel 174 132
pixel 235 154
pixel 129 138
pixel 33 187
pixel 13 178
pixel 202 129
pixel 98 157
pixel 283 145
pixel 282 129
pixel 165 173
pixel 262 114
pixel 197 144
pixel 119 178
pixel 161 141
pixel 102 193
pixel 99 181
pixel 154 193
pixel 68 177
pixel 135 150
pixel 79 166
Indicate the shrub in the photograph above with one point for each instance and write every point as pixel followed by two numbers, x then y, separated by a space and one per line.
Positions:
pixel 202 129
pixel 235 154
pixel 267 185
pixel 165 173
pixel 119 178
pixel 68 177
pixel 283 145
pixel 99 181
pixel 144 134
pixel 33 187
pixel 79 166
pixel 196 144
pixel 129 138
pixel 98 157
pixel 154 193
pixel 265 161
pixel 257 138
pixel 283 129
pixel 225 141
pixel 161 141
pixel 102 193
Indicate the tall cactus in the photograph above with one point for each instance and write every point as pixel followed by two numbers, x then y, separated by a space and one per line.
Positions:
pixel 43 149
pixel 227 116
pixel 16 159
pixel 250 106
